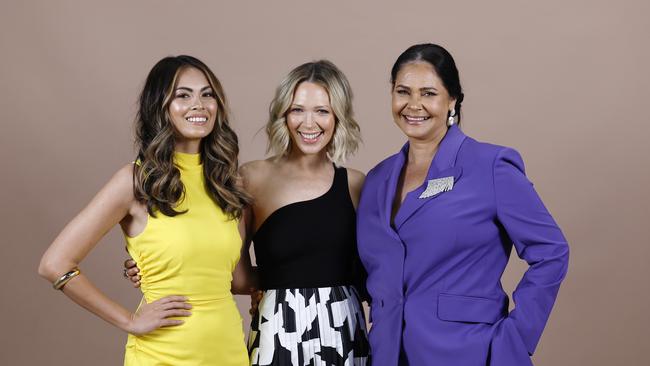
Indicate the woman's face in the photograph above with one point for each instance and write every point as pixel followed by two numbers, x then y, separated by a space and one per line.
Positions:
pixel 420 102
pixel 310 119
pixel 193 109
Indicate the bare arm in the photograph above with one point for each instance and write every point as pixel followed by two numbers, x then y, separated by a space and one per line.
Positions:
pixel 245 279
pixel 112 204
pixel 355 183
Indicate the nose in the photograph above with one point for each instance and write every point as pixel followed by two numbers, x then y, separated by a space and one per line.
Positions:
pixel 197 104
pixel 414 103
pixel 309 120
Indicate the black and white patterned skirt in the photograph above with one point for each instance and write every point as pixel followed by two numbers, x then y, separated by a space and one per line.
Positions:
pixel 313 326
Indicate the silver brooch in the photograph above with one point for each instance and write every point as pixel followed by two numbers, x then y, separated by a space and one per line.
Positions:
pixel 438 185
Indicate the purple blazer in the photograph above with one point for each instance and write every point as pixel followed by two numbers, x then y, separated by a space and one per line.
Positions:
pixel 434 274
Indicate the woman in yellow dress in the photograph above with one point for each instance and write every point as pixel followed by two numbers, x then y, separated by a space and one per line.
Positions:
pixel 179 207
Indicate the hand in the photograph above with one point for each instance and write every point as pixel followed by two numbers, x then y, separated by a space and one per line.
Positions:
pixel 151 316
pixel 256 297
pixel 131 272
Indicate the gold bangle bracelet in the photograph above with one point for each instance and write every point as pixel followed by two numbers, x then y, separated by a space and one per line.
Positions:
pixel 58 284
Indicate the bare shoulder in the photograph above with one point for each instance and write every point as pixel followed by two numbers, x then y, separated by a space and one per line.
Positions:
pixel 255 172
pixel 355 178
pixel 122 183
pixel 355 183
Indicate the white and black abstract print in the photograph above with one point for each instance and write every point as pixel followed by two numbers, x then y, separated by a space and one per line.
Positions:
pixel 313 326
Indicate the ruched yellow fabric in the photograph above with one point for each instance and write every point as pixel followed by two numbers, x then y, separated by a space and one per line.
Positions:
pixel 192 254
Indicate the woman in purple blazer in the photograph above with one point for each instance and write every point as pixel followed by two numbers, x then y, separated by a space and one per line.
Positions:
pixel 436 225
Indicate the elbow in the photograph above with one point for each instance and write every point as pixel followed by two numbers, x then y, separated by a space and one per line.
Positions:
pixel 239 289
pixel 47 269
pixel 51 268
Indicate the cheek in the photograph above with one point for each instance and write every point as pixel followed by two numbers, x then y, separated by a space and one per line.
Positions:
pixel 329 123
pixel 397 104
pixel 436 108
pixel 176 109
pixel 292 122
pixel 212 108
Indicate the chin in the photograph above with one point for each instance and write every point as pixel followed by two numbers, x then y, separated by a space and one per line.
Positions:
pixel 311 150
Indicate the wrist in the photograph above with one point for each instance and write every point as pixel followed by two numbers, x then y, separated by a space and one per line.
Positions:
pixel 125 322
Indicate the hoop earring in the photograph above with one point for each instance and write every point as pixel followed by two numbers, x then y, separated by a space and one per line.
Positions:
pixel 451 120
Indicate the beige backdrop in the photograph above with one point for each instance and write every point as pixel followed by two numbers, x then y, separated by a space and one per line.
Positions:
pixel 564 82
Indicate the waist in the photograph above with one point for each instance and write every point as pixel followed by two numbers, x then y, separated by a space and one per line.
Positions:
pixel 194 297
pixel 274 279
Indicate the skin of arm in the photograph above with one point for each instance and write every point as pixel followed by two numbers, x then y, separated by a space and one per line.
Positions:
pixel 244 277
pixel 114 203
pixel 355 183
pixel 245 280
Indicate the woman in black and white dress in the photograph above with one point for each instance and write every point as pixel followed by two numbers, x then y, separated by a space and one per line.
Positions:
pixel 303 226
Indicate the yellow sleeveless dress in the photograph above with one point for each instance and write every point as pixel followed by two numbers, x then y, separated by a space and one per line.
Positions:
pixel 192 254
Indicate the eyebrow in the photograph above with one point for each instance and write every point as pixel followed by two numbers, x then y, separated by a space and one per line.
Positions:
pixel 301 106
pixel 425 88
pixel 191 90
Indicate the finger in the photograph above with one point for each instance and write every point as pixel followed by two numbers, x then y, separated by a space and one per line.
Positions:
pixel 134 278
pixel 176 312
pixel 172 298
pixel 132 271
pixel 136 284
pixel 171 322
pixel 175 305
pixel 129 263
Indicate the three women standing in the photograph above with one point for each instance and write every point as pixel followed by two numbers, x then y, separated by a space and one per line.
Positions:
pixel 435 226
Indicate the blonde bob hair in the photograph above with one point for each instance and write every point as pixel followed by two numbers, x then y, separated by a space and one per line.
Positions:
pixel 347 134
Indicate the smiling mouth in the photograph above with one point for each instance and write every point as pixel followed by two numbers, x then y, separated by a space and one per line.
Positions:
pixel 310 137
pixel 415 120
pixel 197 120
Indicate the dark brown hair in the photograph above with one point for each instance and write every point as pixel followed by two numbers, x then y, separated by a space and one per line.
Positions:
pixel 157 180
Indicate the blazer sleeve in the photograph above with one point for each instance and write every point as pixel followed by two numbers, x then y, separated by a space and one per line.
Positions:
pixel 537 239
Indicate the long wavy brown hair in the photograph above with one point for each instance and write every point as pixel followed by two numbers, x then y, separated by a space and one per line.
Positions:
pixel 157 181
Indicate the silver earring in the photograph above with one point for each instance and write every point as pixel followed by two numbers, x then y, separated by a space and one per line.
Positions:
pixel 451 120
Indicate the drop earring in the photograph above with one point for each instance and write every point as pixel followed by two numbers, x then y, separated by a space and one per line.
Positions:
pixel 451 120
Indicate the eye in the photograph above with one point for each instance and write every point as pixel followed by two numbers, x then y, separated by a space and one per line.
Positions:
pixel 402 92
pixel 182 95
pixel 295 110
pixel 209 94
pixel 323 111
pixel 429 94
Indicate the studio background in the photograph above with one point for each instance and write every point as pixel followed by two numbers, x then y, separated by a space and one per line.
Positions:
pixel 564 82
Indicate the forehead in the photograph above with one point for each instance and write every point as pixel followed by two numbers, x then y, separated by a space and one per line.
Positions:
pixel 418 74
pixel 191 77
pixel 311 93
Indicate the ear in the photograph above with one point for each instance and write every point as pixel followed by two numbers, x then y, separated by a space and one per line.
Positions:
pixel 452 105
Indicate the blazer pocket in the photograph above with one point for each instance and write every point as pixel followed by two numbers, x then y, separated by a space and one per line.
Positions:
pixel 471 309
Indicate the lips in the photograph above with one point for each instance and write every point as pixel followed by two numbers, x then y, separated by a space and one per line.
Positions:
pixel 197 120
pixel 310 137
pixel 415 120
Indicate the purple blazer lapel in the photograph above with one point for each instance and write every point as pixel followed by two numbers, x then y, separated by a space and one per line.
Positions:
pixel 442 165
pixel 386 192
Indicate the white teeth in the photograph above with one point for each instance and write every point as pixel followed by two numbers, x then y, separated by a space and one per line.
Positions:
pixel 416 119
pixel 197 119
pixel 309 136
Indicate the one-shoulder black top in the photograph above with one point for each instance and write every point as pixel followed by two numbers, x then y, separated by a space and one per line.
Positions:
pixel 311 243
